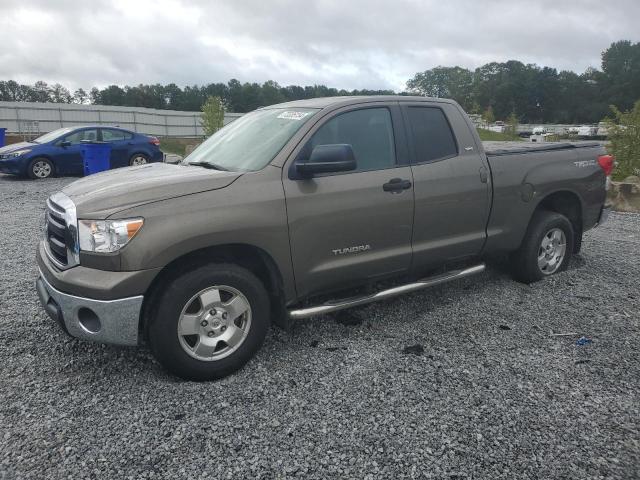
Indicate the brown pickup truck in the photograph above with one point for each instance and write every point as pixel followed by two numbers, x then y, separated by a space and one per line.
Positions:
pixel 300 209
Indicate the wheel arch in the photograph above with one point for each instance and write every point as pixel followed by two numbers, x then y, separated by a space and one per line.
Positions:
pixel 253 258
pixel 45 156
pixel 567 203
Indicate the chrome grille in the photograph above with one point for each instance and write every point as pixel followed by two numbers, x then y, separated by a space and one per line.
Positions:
pixel 61 231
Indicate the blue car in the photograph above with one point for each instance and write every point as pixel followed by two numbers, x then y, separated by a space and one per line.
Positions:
pixel 59 152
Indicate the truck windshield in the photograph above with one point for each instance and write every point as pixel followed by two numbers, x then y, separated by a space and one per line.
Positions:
pixel 252 141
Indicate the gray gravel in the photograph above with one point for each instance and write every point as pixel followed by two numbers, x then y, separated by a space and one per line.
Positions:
pixel 463 381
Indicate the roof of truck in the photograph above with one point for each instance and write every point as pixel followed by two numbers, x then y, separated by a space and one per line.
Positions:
pixel 324 102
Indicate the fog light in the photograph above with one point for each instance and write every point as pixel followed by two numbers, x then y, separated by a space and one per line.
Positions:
pixel 88 320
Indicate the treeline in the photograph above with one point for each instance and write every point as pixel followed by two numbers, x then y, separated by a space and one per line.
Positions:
pixel 528 93
pixel 535 94
pixel 236 96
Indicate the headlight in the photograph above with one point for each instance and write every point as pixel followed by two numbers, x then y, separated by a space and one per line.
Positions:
pixel 17 153
pixel 107 235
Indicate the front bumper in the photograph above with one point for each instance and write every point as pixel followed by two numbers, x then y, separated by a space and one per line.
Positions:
pixel 14 166
pixel 104 321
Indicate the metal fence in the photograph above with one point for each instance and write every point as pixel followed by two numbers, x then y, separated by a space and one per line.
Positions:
pixel 30 119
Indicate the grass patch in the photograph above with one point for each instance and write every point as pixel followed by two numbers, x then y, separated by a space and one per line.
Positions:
pixel 176 145
pixel 488 135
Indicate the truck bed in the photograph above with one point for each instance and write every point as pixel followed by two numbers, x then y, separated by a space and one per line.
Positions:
pixel 511 148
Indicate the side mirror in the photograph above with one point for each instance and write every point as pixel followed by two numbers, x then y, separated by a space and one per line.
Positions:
pixel 328 159
pixel 66 143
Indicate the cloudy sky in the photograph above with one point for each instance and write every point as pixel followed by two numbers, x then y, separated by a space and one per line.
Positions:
pixel 340 43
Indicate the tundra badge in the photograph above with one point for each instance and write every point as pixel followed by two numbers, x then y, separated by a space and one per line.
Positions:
pixel 356 249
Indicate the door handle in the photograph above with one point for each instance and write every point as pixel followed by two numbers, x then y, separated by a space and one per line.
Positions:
pixel 396 185
pixel 484 176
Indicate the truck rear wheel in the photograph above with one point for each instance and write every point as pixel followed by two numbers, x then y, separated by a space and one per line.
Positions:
pixel 209 322
pixel 546 248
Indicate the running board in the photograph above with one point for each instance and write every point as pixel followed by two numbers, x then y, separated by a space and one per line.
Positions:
pixel 384 294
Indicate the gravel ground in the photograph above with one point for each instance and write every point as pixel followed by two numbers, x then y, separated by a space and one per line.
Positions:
pixel 463 381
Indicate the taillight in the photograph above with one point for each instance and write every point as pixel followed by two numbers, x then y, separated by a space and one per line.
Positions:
pixel 154 141
pixel 606 162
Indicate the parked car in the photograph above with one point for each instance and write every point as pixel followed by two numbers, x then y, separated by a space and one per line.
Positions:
pixel 498 127
pixel 301 209
pixel 59 152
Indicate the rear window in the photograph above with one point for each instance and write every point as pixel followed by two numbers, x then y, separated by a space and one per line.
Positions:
pixel 109 135
pixel 432 135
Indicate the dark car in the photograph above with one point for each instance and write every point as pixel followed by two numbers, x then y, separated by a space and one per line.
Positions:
pixel 59 152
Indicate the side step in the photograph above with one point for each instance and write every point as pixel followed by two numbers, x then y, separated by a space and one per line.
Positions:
pixel 384 294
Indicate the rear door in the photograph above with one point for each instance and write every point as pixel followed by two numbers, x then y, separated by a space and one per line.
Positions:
pixel 120 142
pixel 451 185
pixel 345 228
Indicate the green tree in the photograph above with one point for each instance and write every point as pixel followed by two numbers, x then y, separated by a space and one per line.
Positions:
pixel 621 73
pixel 624 140
pixel 445 82
pixel 59 94
pixel 488 115
pixel 80 96
pixel 212 116
pixel 512 124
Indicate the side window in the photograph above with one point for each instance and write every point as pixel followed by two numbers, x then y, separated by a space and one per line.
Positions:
pixel 113 135
pixel 369 132
pixel 432 135
pixel 75 138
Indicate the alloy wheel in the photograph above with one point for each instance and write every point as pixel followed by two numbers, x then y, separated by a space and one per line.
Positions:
pixel 41 169
pixel 552 251
pixel 214 323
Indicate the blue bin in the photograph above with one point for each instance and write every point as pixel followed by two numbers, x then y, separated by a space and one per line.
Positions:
pixel 2 130
pixel 96 157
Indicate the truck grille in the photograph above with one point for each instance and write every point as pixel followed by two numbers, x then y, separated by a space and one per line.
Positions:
pixel 60 231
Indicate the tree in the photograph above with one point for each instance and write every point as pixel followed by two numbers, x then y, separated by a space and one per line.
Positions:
pixel 40 92
pixel 212 116
pixel 623 131
pixel 621 74
pixel 488 115
pixel 80 96
pixel 59 94
pixel 112 95
pixel 272 93
pixel 445 82
pixel 94 96
pixel 512 124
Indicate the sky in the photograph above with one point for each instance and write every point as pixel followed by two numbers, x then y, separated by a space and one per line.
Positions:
pixel 339 43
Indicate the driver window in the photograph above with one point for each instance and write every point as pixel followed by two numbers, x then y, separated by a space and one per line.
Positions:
pixel 75 138
pixel 369 132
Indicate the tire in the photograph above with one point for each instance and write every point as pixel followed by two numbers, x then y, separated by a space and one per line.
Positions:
pixel 190 325
pixel 138 159
pixel 40 168
pixel 541 254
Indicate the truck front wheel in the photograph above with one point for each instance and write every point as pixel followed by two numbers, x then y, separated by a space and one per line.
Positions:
pixel 209 322
pixel 546 249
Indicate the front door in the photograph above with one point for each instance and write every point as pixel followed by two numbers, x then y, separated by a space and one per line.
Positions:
pixel 451 184
pixel 349 228
pixel 69 158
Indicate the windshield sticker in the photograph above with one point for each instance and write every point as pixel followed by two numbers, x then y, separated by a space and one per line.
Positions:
pixel 293 115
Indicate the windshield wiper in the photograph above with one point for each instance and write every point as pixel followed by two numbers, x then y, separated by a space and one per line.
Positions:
pixel 212 166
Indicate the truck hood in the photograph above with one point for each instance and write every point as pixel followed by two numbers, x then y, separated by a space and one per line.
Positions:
pixel 98 196
pixel 16 146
